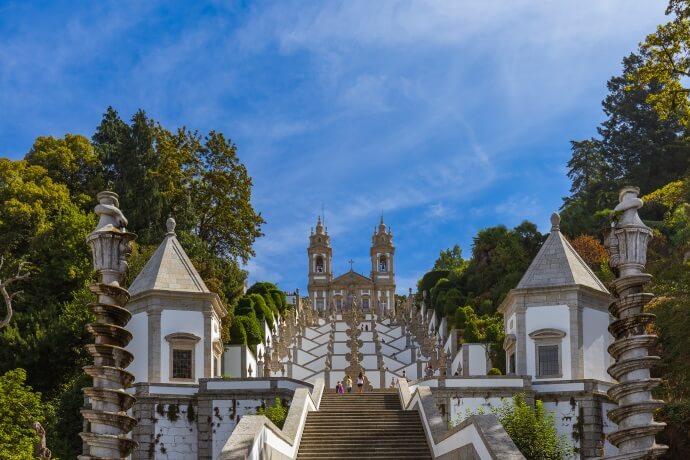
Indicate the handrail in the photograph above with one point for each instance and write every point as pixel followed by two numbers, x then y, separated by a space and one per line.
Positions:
pixel 254 435
pixel 479 435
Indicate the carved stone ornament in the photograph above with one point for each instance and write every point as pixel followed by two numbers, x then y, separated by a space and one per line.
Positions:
pixel 108 423
pixel 627 246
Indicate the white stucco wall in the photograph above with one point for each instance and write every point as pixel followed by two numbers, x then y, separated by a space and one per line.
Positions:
pixel 175 440
pixel 232 359
pixel 477 355
pixel 565 418
pixel 182 321
pixel 139 346
pixel 226 415
pixel 553 316
pixel 596 339
pixel 461 408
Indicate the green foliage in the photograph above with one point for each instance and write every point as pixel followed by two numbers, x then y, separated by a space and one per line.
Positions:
pixel 245 306
pixel 677 417
pixel 20 408
pixel 43 226
pixel 71 161
pixel 494 371
pixel 173 412
pixel 430 279
pixel 667 63
pixel 276 413
pixel 238 335
pixel 263 312
pixel 62 430
pixel 533 430
pixel 635 146
pixel 451 260
pixel 452 300
pixel 191 414
pixel 254 332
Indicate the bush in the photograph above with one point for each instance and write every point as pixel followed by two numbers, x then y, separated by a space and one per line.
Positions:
pixel 238 335
pixel 280 300
pixel 244 306
pixel 20 408
pixel 533 430
pixel 494 371
pixel 430 279
pixel 277 413
pixel 262 310
pixel 451 301
pixel 255 334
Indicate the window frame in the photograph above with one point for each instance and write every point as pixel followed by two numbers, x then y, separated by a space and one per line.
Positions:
pixel 319 264
pixel 548 338
pixel 383 263
pixel 182 341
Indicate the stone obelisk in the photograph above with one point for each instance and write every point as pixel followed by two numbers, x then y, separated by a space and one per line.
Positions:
pixel 108 422
pixel 627 246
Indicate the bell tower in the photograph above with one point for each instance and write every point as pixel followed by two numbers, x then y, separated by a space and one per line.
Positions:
pixel 383 267
pixel 320 256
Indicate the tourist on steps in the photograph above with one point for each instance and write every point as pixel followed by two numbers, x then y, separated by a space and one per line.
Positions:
pixel 360 381
pixel 348 383
pixel 339 388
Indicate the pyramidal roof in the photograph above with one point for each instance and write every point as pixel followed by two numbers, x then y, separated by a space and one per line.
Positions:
pixel 169 269
pixel 558 264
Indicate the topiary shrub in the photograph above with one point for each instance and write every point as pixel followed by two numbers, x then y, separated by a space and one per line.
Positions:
pixel 238 336
pixel 255 334
pixel 262 310
pixel 244 306
pixel 494 371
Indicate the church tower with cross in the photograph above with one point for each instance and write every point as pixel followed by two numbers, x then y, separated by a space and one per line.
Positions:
pixel 374 291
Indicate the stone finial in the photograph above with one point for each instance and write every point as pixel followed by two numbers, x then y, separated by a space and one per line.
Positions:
pixel 555 222
pixel 628 205
pixel 110 216
pixel 170 226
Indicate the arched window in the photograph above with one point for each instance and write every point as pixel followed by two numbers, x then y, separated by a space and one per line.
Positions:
pixel 383 264
pixel 319 264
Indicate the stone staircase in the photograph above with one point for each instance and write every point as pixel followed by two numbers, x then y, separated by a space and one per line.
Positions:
pixel 363 426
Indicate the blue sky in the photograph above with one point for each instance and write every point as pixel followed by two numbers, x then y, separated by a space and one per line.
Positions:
pixel 446 116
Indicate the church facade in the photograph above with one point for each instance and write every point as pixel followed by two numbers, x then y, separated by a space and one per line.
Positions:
pixel 375 292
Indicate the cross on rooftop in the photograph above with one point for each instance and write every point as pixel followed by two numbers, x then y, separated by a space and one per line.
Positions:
pixel 351 262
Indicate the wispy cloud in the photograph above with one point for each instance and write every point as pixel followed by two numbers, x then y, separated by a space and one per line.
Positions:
pixel 445 115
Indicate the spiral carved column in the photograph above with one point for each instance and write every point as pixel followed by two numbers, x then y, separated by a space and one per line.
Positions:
pixel 108 423
pixel 627 246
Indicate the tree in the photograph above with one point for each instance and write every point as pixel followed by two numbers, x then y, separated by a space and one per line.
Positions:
pixel 450 259
pixel 666 54
pixel 591 250
pixel 42 226
pixel 21 407
pixel 71 161
pixel 635 146
pixel 221 198
pixel 430 279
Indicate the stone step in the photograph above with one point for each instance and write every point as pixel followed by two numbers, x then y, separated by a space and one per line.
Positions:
pixel 363 433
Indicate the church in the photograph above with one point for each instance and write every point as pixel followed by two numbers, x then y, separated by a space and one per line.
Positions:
pixel 375 293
